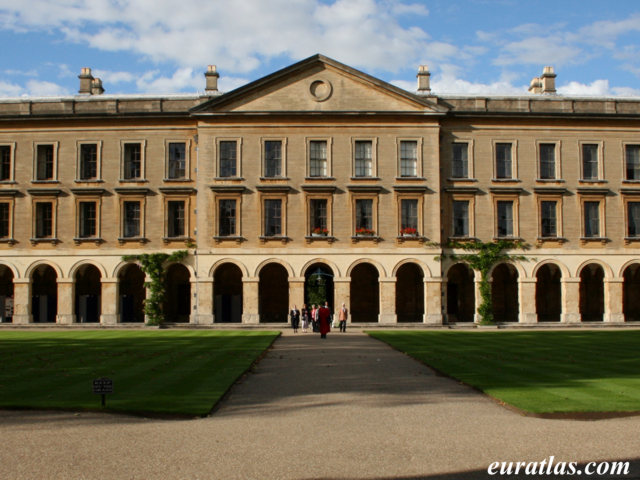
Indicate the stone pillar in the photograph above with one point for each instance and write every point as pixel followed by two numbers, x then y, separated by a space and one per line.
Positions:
pixel 66 301
pixel 109 301
pixel 388 301
pixel 570 300
pixel 342 294
pixel 476 284
pixel 203 290
pixel 147 294
pixel 250 305
pixel 296 293
pixel 22 301
pixel 527 300
pixel 613 288
pixel 433 300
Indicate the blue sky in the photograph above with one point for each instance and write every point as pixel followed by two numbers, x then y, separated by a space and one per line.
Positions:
pixel 472 46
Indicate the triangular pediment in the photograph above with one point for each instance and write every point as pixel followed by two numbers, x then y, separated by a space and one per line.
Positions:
pixel 319 84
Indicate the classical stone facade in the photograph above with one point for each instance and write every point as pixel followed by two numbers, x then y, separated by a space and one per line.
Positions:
pixel 318 177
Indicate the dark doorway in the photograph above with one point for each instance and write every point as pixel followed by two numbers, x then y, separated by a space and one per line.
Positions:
pixel 88 289
pixel 177 305
pixel 504 293
pixel 318 286
pixel 592 293
pixel 461 296
pixel 132 294
pixel 44 302
pixel 273 293
pixel 227 294
pixel 631 293
pixel 6 294
pixel 365 293
pixel 410 293
pixel 548 293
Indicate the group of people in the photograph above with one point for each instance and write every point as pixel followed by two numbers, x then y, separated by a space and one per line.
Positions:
pixel 318 317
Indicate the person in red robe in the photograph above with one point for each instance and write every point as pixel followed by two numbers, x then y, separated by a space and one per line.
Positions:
pixel 324 318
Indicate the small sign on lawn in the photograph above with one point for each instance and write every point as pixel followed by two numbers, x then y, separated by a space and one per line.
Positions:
pixel 102 386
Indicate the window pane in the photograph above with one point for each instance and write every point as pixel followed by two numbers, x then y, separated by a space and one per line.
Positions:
pixel 4 220
pixel 44 220
pixel 503 160
pixel 591 219
pixel 408 158
pixel 318 215
pixel 461 218
pixel 409 216
pixel 44 167
pixel 460 162
pixel 131 219
pixel 634 219
pixel 364 214
pixel 548 219
pixel 273 158
pixel 87 219
pixel 132 161
pixel 273 217
pixel 318 158
pixel 176 219
pixel 227 218
pixel 547 160
pixel 5 162
pixel 228 157
pixel 88 161
pixel 633 162
pixel 589 162
pixel 177 160
pixel 363 159
pixel 505 219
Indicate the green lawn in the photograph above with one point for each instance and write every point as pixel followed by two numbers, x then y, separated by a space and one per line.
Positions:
pixel 536 371
pixel 161 371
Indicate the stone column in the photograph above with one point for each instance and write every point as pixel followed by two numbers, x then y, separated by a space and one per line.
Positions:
pixel 527 300
pixel 433 300
pixel 109 301
pixel 342 294
pixel 388 301
pixel 570 300
pixel 296 293
pixel 147 294
pixel 22 301
pixel 66 301
pixel 476 284
pixel 203 290
pixel 613 288
pixel 250 306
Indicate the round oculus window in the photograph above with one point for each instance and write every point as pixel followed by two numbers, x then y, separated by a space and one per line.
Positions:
pixel 320 90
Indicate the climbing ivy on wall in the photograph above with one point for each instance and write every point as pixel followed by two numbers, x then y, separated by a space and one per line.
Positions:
pixel 482 256
pixel 154 266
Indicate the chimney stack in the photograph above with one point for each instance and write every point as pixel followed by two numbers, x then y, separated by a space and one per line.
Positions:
pixel 536 85
pixel 424 79
pixel 96 87
pixel 85 81
pixel 545 84
pixel 212 80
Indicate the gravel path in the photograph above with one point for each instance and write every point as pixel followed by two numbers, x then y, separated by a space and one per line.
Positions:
pixel 345 407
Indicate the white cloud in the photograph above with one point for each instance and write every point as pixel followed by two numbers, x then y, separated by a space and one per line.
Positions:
pixel 539 51
pixel 597 87
pixel 37 88
pixel 183 78
pixel 10 89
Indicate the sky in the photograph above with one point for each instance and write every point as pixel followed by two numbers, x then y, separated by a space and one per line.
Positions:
pixel 488 47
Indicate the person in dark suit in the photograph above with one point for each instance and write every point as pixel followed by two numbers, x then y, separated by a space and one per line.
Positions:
pixel 295 318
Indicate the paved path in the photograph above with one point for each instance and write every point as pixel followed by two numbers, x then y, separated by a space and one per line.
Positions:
pixel 345 407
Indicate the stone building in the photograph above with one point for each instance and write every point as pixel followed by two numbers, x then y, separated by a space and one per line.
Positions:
pixel 318 176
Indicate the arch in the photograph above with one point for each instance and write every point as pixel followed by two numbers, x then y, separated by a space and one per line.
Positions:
pixel 516 265
pixel 461 296
pixel 564 271
pixel 88 292
pixel 81 263
pixel 273 293
pixel 319 288
pixel 44 289
pixel 189 268
pixel 270 261
pixel 608 272
pixel 630 289
pixel 177 304
pixel 426 271
pixel 364 292
pixel 10 266
pixel 227 292
pixel 243 269
pixel 132 293
pixel 334 268
pixel 548 292
pixel 35 265
pixel 504 292
pixel 6 293
pixel 410 293
pixel 378 266
pixel 592 292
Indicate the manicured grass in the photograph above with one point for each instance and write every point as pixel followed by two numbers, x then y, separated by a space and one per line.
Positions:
pixel 161 371
pixel 536 371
